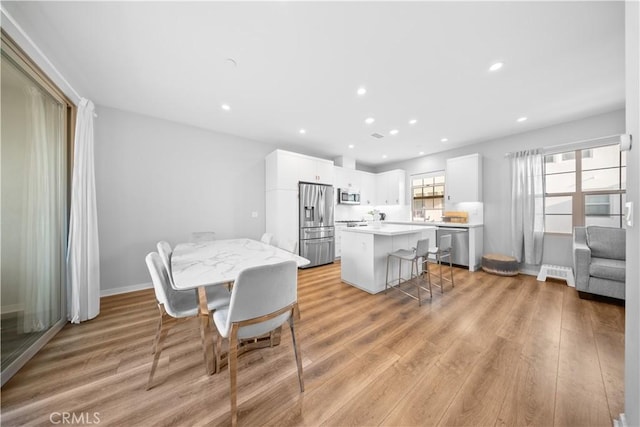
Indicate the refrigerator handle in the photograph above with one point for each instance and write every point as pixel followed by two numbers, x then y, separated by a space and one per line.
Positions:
pixel 322 196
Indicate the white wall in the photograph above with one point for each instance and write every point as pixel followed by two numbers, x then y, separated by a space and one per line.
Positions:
pixel 159 180
pixel 632 312
pixel 496 178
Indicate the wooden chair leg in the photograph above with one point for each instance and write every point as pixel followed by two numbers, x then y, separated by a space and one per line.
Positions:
pixel 156 356
pixel 296 352
pixel 154 346
pixel 218 352
pixel 233 373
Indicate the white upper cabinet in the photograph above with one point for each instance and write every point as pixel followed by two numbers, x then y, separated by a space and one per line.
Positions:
pixel 285 169
pixel 463 179
pixel 353 179
pixel 367 188
pixel 347 178
pixel 311 169
pixel 390 187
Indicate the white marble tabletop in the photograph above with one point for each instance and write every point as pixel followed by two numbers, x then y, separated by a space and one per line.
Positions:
pixel 388 229
pixel 220 261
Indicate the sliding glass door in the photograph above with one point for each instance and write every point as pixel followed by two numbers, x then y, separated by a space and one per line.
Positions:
pixel 34 178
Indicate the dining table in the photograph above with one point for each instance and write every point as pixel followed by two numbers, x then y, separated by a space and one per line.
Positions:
pixel 197 265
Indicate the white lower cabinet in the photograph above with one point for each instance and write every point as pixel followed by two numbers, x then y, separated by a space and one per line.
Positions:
pixel 338 239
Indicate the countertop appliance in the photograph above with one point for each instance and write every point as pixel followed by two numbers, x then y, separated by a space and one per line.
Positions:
pixel 348 196
pixel 316 223
pixel 459 243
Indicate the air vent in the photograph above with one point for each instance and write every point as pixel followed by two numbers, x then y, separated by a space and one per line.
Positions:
pixel 377 135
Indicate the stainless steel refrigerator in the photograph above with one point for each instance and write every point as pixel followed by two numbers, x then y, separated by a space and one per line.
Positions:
pixel 316 223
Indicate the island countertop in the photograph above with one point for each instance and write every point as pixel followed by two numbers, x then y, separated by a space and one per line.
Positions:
pixel 388 229
pixel 438 224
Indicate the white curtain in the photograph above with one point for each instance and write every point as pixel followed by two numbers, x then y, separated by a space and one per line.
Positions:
pixel 41 261
pixel 527 206
pixel 83 257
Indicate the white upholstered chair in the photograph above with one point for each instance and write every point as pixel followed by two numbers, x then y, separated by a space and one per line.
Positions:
pixel 267 238
pixel 418 259
pixel 176 304
pixel 440 252
pixel 262 299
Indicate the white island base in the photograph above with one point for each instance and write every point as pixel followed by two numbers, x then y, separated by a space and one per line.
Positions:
pixel 365 250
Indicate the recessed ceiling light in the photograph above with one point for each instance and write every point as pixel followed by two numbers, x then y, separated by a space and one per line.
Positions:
pixel 496 66
pixel 393 132
pixel 384 156
pixel 444 140
pixel 522 119
pixel 225 107
pixel 369 120
pixel 302 131
pixel 421 153
pixel 351 145
pixel 362 91
pixel 413 121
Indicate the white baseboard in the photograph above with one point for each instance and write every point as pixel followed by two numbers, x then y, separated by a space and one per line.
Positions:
pixel 11 308
pixel 125 289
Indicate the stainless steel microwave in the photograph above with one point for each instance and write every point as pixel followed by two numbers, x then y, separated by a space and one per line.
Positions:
pixel 348 196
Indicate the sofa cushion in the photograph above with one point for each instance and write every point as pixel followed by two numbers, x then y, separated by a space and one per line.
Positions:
pixel 606 242
pixel 604 268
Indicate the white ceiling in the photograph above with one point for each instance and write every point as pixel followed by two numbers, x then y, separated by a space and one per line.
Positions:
pixel 299 65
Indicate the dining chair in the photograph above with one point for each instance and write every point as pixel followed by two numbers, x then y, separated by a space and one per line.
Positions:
pixel 438 253
pixel 262 299
pixel 165 251
pixel 173 304
pixel 267 238
pixel 202 236
pixel 289 246
pixel 418 259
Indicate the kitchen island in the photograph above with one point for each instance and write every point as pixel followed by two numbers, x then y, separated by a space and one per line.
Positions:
pixel 474 245
pixel 365 249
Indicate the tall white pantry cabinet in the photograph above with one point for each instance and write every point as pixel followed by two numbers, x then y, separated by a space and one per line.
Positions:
pixel 283 171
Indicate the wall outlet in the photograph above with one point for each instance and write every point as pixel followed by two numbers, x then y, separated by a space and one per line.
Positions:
pixel 254 214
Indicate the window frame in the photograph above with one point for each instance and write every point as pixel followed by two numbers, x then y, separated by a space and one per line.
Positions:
pixel 434 174
pixel 578 197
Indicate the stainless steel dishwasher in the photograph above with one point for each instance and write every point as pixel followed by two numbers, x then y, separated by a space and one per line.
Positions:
pixel 459 243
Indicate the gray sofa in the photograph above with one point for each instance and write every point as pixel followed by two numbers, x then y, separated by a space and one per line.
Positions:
pixel 599 260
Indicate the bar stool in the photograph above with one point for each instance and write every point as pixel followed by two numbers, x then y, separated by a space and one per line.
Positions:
pixel 419 254
pixel 443 251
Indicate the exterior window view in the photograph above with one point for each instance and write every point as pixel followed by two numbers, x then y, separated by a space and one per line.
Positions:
pixel 428 196
pixel 585 187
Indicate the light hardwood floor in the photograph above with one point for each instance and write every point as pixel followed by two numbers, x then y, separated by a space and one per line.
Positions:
pixel 492 351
